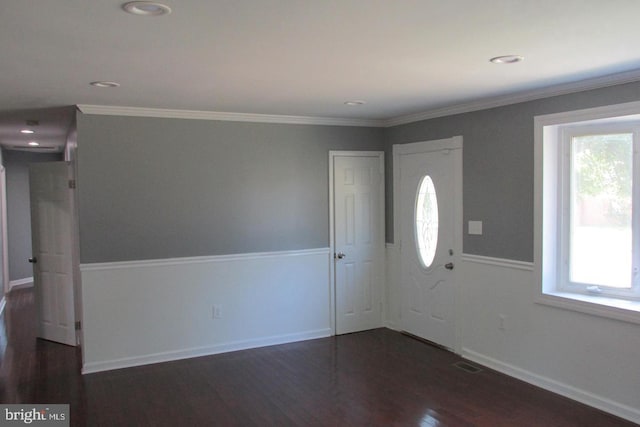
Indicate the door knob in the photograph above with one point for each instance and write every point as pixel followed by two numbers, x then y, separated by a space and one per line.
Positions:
pixel 33 260
pixel 449 266
pixel 340 255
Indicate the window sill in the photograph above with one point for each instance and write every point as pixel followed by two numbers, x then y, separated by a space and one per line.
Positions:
pixel 626 311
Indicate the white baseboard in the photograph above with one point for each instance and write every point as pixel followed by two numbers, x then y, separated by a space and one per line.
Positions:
pixel 202 351
pixel 391 325
pixel 27 282
pixel 599 402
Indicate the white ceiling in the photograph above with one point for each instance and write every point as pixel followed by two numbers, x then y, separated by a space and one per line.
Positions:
pixel 303 57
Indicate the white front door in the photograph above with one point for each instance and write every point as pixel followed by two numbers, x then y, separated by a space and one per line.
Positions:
pixel 430 194
pixel 358 239
pixel 51 236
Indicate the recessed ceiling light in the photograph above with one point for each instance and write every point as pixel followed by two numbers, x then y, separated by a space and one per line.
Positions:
pixel 33 144
pixel 146 8
pixel 104 84
pixel 354 103
pixel 507 59
pixel 26 131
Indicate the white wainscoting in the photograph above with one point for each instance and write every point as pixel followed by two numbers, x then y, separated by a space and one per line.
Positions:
pixel 586 358
pixel 392 291
pixel 143 312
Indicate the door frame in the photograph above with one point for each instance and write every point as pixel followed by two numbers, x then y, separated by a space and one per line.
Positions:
pixel 332 246
pixel 455 145
pixel 4 231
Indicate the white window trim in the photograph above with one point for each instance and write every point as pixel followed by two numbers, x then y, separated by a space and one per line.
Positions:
pixel 547 214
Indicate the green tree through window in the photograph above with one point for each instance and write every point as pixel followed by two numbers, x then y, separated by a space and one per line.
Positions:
pixel 603 169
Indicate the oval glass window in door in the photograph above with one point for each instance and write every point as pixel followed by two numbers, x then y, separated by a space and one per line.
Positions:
pixel 426 221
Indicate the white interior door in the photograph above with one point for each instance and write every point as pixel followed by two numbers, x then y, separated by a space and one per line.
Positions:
pixel 358 212
pixel 51 236
pixel 430 192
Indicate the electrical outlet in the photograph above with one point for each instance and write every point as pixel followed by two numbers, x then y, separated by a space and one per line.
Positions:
pixel 217 311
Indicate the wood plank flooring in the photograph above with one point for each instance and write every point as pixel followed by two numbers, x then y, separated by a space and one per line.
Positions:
pixel 373 378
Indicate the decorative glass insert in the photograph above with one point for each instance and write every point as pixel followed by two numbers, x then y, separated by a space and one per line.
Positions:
pixel 426 221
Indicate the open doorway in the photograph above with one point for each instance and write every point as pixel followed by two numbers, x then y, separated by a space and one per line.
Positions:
pixel 16 163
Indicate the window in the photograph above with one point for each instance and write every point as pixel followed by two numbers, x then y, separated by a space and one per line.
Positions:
pixel 588 210
pixel 597 233
pixel 426 221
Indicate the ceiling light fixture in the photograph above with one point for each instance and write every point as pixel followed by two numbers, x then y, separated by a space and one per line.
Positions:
pixel 29 131
pixel 33 144
pixel 146 8
pixel 507 59
pixel 354 103
pixel 104 84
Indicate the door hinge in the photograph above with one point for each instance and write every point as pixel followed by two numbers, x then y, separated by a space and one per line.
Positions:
pixel 72 184
pixel 78 325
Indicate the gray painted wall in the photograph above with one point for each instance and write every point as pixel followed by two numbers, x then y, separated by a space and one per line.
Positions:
pixel 157 188
pixel 19 209
pixel 151 188
pixel 497 165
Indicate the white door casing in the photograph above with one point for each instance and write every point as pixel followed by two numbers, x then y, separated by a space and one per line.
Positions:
pixel 51 235
pixel 428 293
pixel 3 229
pixel 357 239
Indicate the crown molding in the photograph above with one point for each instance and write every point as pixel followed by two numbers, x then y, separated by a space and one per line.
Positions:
pixel 531 95
pixel 467 107
pixel 108 110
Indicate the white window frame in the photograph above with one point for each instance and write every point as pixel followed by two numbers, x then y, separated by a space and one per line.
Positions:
pixel 551 189
pixel 566 134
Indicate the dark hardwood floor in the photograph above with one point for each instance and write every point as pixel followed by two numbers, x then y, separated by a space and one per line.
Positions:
pixel 374 378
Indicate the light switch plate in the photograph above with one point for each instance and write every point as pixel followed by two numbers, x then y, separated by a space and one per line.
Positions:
pixel 475 227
